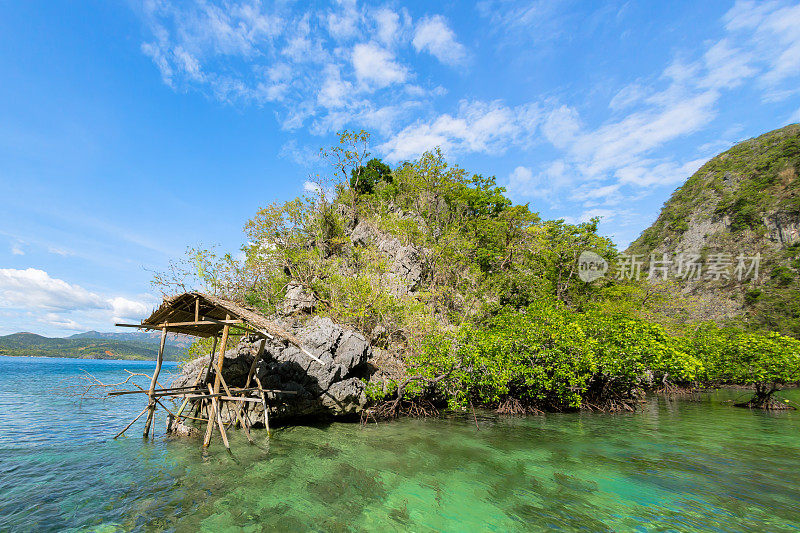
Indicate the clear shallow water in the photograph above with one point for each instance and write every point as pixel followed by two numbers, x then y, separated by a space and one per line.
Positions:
pixel 674 466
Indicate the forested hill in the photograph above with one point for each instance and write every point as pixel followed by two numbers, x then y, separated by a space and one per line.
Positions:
pixel 30 344
pixel 467 299
pixel 745 201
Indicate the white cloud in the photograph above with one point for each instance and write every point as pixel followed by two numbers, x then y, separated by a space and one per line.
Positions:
pixel 305 156
pixel 16 249
pixel 727 66
pixel 60 251
pixel 627 96
pixel 344 22
pixel 649 172
pixel 33 290
pixel 762 43
pixel 617 145
pixel 61 322
pixel 434 36
pixel 245 52
pixel 522 180
pixel 125 309
pixel 771 29
pixel 388 25
pixel 528 23
pixel 488 127
pixel 605 214
pixel 592 194
pixel 334 92
pixel 561 126
pixel 311 187
pixel 547 184
pixel 376 67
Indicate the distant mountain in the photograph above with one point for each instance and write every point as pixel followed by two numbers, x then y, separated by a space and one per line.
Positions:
pixel 91 345
pixel 151 337
pixel 744 201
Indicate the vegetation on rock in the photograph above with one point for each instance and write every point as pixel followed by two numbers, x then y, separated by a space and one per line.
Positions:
pixel 471 300
pixel 745 200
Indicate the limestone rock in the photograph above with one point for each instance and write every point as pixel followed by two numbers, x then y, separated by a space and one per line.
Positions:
pixel 406 261
pixel 298 300
pixel 334 388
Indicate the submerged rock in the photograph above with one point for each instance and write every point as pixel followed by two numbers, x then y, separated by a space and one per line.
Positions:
pixel 332 389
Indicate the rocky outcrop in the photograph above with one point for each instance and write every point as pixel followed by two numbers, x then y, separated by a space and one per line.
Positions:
pixel 782 228
pixel 298 300
pixel 405 260
pixel 334 388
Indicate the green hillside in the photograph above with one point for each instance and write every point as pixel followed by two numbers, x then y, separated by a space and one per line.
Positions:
pixel 743 201
pixel 30 344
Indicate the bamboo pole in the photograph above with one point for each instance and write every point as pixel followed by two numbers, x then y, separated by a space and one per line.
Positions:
pixel 211 414
pixel 170 390
pixel 255 362
pixel 252 371
pixel 200 376
pixel 131 422
pixel 220 360
pixel 152 404
pixel 238 416
pixel 210 362
pixel 264 403
pixel 217 409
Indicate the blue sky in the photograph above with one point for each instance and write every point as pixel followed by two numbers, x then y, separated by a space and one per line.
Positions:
pixel 131 130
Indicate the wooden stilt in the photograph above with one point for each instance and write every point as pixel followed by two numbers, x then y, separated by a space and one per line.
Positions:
pixel 264 403
pixel 252 370
pixel 210 363
pixel 202 379
pixel 131 422
pixel 217 409
pixel 152 404
pixel 220 359
pixel 238 416
pixel 184 403
pixel 212 415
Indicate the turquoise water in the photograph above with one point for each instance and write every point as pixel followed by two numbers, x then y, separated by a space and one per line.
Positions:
pixel 673 466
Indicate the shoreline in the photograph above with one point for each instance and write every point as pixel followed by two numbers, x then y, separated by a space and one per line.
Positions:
pixel 67 358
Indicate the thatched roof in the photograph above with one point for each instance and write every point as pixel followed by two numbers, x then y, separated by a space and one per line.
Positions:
pixel 212 311
pixel 205 315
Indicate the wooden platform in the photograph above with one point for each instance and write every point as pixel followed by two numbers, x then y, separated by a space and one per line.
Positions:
pixel 205 316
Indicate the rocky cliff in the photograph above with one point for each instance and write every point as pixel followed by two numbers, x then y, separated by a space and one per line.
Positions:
pixel 744 202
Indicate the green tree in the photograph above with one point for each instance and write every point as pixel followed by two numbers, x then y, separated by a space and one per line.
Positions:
pixel 363 179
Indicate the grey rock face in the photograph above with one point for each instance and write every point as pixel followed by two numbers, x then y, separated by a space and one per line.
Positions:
pixel 406 261
pixel 363 234
pixel 298 300
pixel 334 388
pixel 783 228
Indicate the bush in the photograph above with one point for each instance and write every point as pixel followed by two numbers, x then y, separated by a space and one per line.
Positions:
pixel 735 356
